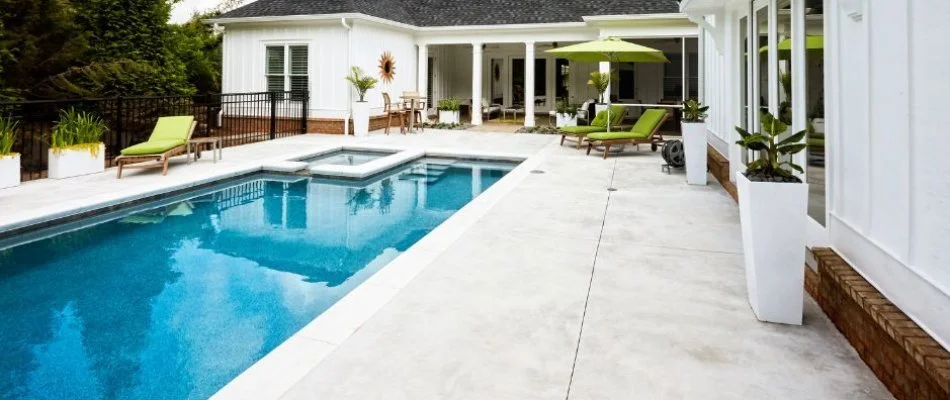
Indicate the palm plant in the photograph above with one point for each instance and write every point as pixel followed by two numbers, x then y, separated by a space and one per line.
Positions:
pixel 77 129
pixel 774 163
pixel 362 83
pixel 694 111
pixel 600 81
pixel 7 135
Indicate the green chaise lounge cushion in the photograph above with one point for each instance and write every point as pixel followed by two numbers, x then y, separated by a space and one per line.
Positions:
pixel 152 147
pixel 599 123
pixel 169 132
pixel 645 126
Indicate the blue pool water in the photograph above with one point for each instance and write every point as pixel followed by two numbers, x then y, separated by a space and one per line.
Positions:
pixel 172 300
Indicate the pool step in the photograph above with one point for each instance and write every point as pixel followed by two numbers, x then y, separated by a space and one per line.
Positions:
pixel 431 174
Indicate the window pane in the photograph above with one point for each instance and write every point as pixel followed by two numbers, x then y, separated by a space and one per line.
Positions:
pixel 540 81
pixel 626 76
pixel 298 60
pixel 815 98
pixel 275 83
pixel 673 77
pixel 275 60
pixel 299 86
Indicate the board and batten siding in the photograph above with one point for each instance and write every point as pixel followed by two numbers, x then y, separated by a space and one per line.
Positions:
pixel 369 42
pixel 889 187
pixel 243 67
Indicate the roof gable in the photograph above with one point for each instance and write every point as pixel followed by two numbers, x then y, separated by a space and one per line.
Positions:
pixel 454 12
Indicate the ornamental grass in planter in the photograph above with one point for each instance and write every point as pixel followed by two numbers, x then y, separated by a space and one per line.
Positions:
pixel 773 208
pixel 9 161
pixel 694 141
pixel 76 146
pixel 361 83
pixel 449 111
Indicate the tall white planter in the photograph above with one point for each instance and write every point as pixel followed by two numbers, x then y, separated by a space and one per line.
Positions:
pixel 694 144
pixel 773 240
pixel 9 170
pixel 449 117
pixel 67 163
pixel 598 108
pixel 361 118
pixel 562 120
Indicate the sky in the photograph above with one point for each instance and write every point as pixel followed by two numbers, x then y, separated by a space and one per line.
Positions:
pixel 183 11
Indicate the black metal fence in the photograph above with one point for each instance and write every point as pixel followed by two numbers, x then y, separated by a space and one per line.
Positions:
pixel 237 118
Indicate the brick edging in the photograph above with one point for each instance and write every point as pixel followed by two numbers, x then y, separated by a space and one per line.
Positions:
pixel 903 356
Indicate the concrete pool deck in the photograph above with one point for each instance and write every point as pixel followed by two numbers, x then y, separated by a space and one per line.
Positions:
pixel 561 289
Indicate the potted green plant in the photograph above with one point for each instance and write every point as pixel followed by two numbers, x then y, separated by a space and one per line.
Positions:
pixel 9 161
pixel 772 209
pixel 566 114
pixel 449 111
pixel 360 108
pixel 76 146
pixel 600 81
pixel 694 141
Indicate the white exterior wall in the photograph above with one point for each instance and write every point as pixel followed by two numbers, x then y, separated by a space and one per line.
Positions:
pixel 369 41
pixel 888 177
pixel 243 61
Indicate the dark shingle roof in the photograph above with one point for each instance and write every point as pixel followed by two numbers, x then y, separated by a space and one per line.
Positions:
pixel 456 12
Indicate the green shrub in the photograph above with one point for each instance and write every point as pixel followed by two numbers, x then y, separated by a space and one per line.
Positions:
pixel 77 129
pixel 7 135
pixel 449 104
pixel 565 107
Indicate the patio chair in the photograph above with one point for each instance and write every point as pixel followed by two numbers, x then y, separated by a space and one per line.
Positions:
pixel 645 131
pixel 400 114
pixel 582 111
pixel 599 124
pixel 169 138
pixel 489 108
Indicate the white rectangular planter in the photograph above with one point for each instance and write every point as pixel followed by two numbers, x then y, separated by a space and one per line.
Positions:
pixel 694 145
pixel 598 108
pixel 361 118
pixel 773 240
pixel 9 170
pixel 449 117
pixel 562 120
pixel 67 163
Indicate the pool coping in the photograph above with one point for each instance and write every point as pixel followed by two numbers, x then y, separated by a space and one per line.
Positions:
pixel 279 370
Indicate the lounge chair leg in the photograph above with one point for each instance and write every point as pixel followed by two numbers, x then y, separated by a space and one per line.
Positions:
pixel 165 166
pixel 590 145
pixel 606 150
pixel 118 174
pixel 580 141
pixel 562 139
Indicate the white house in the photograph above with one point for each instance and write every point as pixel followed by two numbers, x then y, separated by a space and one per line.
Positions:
pixel 867 76
pixel 489 51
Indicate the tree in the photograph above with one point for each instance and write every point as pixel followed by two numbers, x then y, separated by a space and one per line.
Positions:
pixel 198 47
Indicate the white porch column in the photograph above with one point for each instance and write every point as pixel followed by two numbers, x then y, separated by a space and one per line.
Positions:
pixel 529 84
pixel 605 69
pixel 476 83
pixel 422 82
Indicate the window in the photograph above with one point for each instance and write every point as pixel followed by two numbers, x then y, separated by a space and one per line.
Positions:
pixel 673 77
pixel 287 70
pixel 627 86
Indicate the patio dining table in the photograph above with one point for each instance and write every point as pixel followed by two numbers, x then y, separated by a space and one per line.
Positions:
pixel 411 98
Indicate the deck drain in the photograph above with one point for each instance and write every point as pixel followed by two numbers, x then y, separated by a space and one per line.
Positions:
pixel 537 171
pixel 611 189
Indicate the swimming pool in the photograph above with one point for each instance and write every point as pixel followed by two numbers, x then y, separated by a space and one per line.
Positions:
pixel 174 299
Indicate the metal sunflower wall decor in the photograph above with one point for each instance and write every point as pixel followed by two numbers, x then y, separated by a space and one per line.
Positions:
pixel 387 67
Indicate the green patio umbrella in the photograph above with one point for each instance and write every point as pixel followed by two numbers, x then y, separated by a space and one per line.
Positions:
pixel 813 43
pixel 610 49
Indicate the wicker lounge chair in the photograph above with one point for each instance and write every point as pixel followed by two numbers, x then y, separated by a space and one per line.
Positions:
pixel 644 132
pixel 169 138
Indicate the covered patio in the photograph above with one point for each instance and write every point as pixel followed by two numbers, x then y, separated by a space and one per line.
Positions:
pixel 513 80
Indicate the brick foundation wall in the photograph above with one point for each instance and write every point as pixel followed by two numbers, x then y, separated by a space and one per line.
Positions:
pixel 904 357
pixel 719 168
pixel 907 360
pixel 314 125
